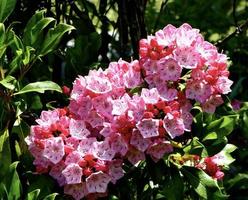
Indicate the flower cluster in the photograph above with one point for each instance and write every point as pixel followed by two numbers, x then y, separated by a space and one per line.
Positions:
pixel 129 111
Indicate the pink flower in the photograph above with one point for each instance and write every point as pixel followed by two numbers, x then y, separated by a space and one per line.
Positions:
pixel 77 191
pixel 187 120
pixel 102 150
pixel 148 127
pixel 85 146
pixel 198 90
pixel 98 85
pixel 97 182
pixel 120 106
pixel 134 156
pixel 187 57
pixel 73 157
pixel 115 170
pixel 54 149
pixel 150 96
pixel 169 70
pixel 166 36
pixel 138 141
pixel 118 144
pixel 78 129
pixel 210 105
pixel 73 173
pixel 56 173
pixel 174 126
pixel 224 84
pixel 186 36
pixel 48 117
pixel 158 149
pixel 167 94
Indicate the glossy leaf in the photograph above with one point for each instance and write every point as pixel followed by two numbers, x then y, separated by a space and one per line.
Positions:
pixel 51 196
pixel 33 195
pixel 53 38
pixel 40 87
pixel 205 186
pixel 8 82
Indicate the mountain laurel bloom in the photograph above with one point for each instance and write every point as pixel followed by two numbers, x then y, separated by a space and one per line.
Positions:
pixel 130 111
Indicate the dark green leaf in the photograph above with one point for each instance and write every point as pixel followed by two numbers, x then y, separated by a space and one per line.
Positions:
pixel 5 154
pixel 12 182
pixel 173 185
pixel 6 8
pixel 205 186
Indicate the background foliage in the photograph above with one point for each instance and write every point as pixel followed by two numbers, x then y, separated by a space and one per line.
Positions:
pixel 72 37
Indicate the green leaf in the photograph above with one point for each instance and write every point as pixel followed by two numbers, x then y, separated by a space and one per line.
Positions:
pixel 3 192
pixel 5 154
pixel 205 186
pixel 173 185
pixel 6 8
pixel 34 33
pixel 12 183
pixel 8 82
pixel 44 183
pixel 2 33
pixel 220 127
pixel 240 181
pixel 33 195
pixel 225 154
pixel 40 87
pixel 53 38
pixel 51 196
pixel 38 16
pixel 196 147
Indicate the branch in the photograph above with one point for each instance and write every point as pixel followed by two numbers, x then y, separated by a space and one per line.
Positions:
pixel 163 5
pixel 239 29
pixel 234 14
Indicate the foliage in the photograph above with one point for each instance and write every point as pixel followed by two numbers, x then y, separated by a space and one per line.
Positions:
pixel 47 43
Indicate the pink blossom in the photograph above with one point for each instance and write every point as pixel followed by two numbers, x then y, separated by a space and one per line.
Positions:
pixel 159 148
pixel 210 105
pixel 78 129
pixel 138 141
pixel 120 106
pixel 97 182
pixel 103 150
pixel 150 96
pixel 98 85
pixel 187 57
pixel 167 94
pixel 134 156
pixel 224 84
pixel 54 149
pixel 56 173
pixel 77 191
pixel 174 126
pixel 169 70
pixel 73 157
pixel 148 127
pixel 115 170
pixel 198 90
pixel 85 146
pixel 73 173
